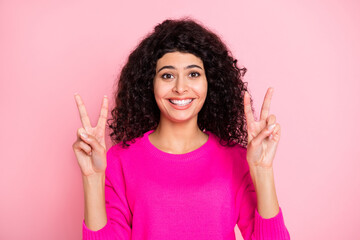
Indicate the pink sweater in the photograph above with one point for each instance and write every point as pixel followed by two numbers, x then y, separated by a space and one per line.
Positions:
pixel 203 194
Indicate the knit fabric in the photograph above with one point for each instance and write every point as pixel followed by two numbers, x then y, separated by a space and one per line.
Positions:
pixel 202 194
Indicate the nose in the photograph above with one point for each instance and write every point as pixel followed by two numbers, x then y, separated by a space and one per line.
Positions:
pixel 180 85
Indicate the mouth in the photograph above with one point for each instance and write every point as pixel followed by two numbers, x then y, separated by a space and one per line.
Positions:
pixel 182 102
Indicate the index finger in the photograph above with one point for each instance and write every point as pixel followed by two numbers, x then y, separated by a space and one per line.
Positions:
pixel 248 111
pixel 266 104
pixel 103 114
pixel 85 120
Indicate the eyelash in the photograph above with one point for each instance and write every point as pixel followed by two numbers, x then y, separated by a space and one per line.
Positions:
pixel 162 76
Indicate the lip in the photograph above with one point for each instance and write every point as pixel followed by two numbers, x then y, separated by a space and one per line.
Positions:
pixel 179 98
pixel 181 107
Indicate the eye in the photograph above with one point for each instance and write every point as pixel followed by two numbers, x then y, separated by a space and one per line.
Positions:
pixel 194 74
pixel 166 76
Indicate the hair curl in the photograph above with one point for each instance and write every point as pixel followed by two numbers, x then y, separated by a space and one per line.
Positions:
pixel 136 110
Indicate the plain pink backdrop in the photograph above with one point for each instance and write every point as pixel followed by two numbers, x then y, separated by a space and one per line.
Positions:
pixel 307 50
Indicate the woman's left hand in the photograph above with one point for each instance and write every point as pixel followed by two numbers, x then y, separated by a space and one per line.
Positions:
pixel 262 142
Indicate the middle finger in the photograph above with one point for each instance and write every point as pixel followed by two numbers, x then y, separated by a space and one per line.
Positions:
pixel 103 114
pixel 266 104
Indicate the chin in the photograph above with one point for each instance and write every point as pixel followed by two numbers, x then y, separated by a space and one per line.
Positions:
pixel 179 119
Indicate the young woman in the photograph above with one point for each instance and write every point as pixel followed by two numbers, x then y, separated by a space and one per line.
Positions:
pixel 190 161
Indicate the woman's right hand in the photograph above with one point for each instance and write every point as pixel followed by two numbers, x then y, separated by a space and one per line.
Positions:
pixel 91 151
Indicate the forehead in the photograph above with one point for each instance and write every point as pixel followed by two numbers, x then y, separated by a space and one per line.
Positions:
pixel 178 59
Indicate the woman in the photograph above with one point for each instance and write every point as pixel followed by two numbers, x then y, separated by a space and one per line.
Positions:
pixel 189 161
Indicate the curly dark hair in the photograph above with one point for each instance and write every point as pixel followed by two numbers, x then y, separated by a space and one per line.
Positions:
pixel 136 110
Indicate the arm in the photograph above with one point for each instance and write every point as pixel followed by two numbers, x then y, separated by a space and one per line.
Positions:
pixel 107 212
pixel 94 195
pixel 259 192
pixel 255 197
pixel 267 202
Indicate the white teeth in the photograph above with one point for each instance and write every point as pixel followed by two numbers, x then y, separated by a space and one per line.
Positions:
pixel 181 102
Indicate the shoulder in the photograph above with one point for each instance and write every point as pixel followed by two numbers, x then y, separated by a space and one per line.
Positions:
pixel 234 154
pixel 118 152
pixel 235 148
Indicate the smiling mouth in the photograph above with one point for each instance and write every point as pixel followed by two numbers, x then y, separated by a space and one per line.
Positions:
pixel 181 102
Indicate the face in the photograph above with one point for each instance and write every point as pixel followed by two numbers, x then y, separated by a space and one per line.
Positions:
pixel 180 86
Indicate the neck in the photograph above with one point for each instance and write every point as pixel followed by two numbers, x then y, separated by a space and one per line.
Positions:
pixel 178 137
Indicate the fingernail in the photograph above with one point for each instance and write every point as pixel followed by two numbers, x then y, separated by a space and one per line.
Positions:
pixel 271 126
pixel 84 135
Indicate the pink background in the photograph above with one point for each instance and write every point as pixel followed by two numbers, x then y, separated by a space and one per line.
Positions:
pixel 307 50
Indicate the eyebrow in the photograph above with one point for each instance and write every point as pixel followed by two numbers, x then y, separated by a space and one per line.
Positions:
pixel 172 67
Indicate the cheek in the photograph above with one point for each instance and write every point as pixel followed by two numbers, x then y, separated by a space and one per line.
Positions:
pixel 160 91
pixel 205 88
pixel 201 90
pixel 157 89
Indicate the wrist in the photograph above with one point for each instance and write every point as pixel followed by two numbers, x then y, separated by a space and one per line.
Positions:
pixel 261 175
pixel 94 181
pixel 267 202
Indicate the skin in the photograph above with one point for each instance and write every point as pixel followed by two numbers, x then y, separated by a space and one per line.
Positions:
pixel 177 133
pixel 90 151
pixel 261 149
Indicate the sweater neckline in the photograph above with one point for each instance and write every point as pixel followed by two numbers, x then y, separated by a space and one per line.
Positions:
pixel 194 154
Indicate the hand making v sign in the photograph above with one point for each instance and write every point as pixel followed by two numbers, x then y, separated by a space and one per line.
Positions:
pixel 263 135
pixel 89 148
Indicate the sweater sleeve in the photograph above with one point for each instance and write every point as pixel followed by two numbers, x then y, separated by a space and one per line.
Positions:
pixel 251 224
pixel 118 212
